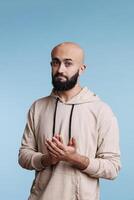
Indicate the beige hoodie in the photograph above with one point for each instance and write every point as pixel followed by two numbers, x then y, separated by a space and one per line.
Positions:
pixel 95 129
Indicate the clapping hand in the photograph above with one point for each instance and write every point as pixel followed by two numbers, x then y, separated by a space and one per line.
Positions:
pixel 59 151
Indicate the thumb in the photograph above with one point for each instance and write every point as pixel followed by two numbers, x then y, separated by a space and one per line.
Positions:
pixel 61 139
pixel 74 142
pixel 70 142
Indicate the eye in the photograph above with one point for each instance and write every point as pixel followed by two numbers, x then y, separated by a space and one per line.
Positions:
pixel 55 63
pixel 68 63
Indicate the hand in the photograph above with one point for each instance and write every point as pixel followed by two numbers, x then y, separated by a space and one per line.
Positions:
pixel 61 151
pixel 49 159
pixel 67 153
pixel 54 159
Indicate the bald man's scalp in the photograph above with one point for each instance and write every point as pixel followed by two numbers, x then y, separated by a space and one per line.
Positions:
pixel 71 45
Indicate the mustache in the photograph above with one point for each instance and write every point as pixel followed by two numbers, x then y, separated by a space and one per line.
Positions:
pixel 59 74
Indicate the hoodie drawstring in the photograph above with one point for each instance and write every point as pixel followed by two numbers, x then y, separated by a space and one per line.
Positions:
pixel 54 119
pixel 70 119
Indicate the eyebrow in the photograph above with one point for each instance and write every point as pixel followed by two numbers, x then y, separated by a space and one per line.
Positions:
pixel 65 59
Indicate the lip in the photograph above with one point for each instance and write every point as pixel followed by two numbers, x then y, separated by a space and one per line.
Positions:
pixel 61 77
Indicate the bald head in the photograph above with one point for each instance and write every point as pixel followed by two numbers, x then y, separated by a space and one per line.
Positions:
pixel 69 49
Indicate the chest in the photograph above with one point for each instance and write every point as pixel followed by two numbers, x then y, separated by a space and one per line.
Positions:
pixel 82 123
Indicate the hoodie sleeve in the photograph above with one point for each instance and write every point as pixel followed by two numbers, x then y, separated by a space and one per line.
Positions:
pixel 29 157
pixel 106 163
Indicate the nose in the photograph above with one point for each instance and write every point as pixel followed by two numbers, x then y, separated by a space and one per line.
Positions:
pixel 61 68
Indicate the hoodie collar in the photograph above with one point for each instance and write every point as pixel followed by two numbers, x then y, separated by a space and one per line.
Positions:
pixel 84 96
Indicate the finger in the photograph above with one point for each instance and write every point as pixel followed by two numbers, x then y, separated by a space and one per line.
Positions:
pixel 50 149
pixel 59 144
pixel 54 142
pixel 53 155
pixel 74 142
pixel 70 142
pixel 55 147
pixel 56 136
pixel 61 139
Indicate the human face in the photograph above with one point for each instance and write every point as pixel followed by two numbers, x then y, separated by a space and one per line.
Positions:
pixel 60 85
pixel 65 67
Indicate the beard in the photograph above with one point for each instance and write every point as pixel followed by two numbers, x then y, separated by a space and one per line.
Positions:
pixel 60 85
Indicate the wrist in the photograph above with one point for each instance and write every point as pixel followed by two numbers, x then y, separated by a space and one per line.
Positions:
pixel 79 161
pixel 45 160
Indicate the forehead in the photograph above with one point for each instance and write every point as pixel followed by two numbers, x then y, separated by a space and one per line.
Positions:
pixel 67 52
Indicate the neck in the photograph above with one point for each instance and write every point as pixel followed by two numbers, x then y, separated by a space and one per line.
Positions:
pixel 67 95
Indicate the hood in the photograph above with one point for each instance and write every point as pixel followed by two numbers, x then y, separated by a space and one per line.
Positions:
pixel 84 96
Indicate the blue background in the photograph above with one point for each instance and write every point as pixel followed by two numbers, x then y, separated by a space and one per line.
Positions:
pixel 28 31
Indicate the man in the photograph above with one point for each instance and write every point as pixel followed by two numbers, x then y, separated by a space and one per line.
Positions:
pixel 71 137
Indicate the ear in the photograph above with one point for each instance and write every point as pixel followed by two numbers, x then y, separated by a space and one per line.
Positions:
pixel 82 69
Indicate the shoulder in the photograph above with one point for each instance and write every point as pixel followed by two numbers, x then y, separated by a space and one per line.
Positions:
pixel 105 108
pixel 40 104
pixel 98 105
pixel 105 115
pixel 102 110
